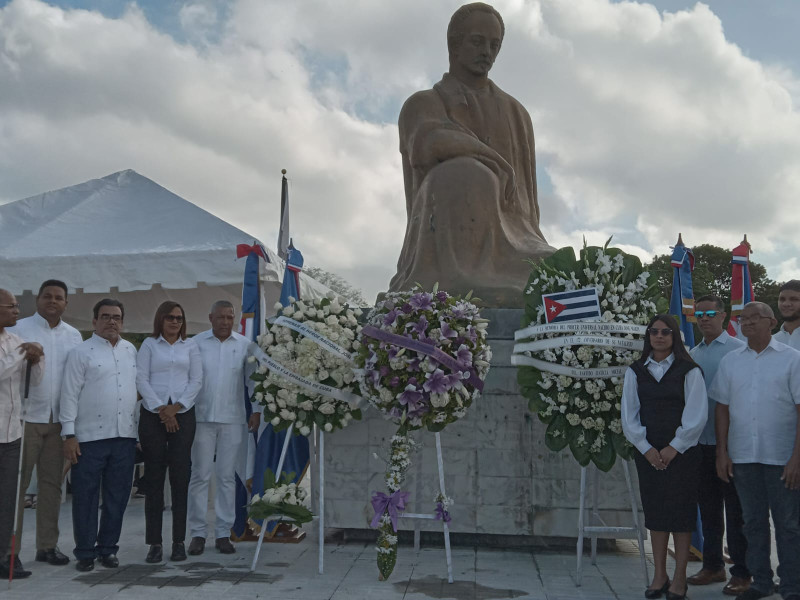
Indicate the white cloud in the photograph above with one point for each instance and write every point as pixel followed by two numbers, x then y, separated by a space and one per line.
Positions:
pixel 648 124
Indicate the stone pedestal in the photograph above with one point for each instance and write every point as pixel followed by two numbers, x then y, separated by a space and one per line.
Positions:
pixel 500 474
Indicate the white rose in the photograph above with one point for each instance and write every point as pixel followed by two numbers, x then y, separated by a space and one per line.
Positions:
pixel 305 430
pixel 275 421
pixel 328 427
pixel 326 408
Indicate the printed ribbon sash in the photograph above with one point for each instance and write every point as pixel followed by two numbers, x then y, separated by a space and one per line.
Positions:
pixel 521 334
pixel 303 382
pixel 426 349
pixel 580 340
pixel 543 365
pixel 315 336
pixel 393 505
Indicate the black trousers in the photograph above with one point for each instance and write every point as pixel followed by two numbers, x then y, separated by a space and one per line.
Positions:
pixel 9 467
pixel 717 498
pixel 162 450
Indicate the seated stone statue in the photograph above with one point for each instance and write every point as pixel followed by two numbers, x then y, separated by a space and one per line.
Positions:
pixel 470 174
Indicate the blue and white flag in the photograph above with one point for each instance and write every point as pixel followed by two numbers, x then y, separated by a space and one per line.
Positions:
pixel 575 305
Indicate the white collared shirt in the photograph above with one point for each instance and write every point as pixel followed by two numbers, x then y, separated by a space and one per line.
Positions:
pixel 695 410
pixel 167 371
pixel 225 366
pixel 12 382
pixel 44 399
pixel 762 391
pixel 790 339
pixel 98 394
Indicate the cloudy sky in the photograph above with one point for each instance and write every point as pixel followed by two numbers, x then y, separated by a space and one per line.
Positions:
pixel 651 118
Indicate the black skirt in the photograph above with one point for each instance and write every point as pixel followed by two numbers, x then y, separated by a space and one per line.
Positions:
pixel 669 497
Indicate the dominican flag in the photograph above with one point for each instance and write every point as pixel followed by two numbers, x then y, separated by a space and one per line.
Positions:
pixel 741 285
pixel 576 305
pixel 681 304
pixel 253 312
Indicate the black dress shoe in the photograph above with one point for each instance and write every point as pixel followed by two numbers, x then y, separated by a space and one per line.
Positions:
pixel 674 596
pixel 155 554
pixel 224 545
pixel 109 561
pixel 53 556
pixel 85 564
pixel 178 552
pixel 19 570
pixel 656 593
pixel 197 545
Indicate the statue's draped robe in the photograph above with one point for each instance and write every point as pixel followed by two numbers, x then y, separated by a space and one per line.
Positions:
pixel 470 179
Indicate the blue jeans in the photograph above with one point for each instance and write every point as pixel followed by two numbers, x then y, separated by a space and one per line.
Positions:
pixel 761 491
pixel 107 463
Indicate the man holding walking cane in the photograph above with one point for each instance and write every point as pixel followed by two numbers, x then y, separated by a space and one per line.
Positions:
pixel 15 355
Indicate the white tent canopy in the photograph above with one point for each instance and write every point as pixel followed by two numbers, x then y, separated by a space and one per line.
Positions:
pixel 125 236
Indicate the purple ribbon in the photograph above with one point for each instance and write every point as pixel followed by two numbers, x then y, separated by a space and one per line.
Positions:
pixel 394 505
pixel 442 514
pixel 427 349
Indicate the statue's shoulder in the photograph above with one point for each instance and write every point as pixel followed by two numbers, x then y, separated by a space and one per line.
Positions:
pixel 420 107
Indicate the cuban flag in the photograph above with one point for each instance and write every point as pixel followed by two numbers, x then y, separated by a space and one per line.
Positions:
pixel 741 285
pixel 576 305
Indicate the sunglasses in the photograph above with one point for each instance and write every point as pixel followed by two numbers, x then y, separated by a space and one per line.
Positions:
pixel 174 318
pixel 663 331
pixel 699 314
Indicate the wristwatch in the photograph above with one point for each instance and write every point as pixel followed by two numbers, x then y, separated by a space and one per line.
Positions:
pixel 69 436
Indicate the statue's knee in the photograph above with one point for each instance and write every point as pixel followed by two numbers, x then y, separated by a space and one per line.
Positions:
pixel 461 173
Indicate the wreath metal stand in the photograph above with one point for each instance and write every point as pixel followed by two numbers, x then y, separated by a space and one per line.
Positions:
pixel 321 500
pixel 445 527
pixel 592 530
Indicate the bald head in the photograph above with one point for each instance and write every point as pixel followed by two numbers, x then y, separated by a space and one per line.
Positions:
pixel 9 309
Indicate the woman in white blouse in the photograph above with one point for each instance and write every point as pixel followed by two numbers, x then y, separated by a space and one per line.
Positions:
pixel 664 409
pixel 169 377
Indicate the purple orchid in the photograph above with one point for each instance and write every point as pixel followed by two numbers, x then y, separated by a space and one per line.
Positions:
pixel 390 317
pixel 410 397
pixel 421 301
pixel 394 381
pixel 407 308
pixel 464 357
pixel 472 334
pixel 447 331
pixel 418 411
pixel 441 296
pixel 421 326
pixel 385 370
pixel 437 382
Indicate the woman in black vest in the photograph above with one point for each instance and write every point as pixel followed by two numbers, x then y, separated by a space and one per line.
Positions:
pixel 664 409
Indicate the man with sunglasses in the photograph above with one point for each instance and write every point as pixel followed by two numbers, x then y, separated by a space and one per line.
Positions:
pixel 789 307
pixel 716 498
pixel 98 424
pixel 757 388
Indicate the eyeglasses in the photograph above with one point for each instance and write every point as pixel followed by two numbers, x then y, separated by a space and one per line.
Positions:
pixel 753 319
pixel 107 317
pixel 665 331
pixel 9 306
pixel 174 318
pixel 699 314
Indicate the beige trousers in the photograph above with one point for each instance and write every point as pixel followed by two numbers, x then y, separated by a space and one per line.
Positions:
pixel 43 449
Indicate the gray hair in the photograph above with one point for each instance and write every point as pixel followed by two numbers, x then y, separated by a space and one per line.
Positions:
pixel 764 309
pixel 221 304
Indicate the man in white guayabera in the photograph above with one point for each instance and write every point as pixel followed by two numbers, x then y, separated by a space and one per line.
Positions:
pixel 221 426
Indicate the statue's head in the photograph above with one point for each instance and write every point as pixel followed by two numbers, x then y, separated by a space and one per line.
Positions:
pixel 474 37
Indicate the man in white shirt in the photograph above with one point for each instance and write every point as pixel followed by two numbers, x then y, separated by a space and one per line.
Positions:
pixel 14 353
pixel 757 389
pixel 717 500
pixel 43 447
pixel 221 426
pixel 789 307
pixel 98 402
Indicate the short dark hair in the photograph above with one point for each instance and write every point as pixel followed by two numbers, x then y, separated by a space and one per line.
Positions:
pixel 221 304
pixel 793 285
pixel 678 349
pixel 108 302
pixel 454 33
pixel 53 283
pixel 162 311
pixel 718 303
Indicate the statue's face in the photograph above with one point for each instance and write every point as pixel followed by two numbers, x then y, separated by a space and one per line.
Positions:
pixel 480 44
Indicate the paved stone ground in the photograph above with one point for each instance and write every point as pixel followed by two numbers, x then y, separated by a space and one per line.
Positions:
pixel 289 571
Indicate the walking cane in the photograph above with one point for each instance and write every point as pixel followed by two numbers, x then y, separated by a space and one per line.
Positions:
pixel 19 477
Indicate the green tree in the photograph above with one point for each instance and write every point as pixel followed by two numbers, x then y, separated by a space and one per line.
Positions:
pixel 338 284
pixel 713 273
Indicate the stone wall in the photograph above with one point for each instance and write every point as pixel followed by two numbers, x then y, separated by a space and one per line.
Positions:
pixel 501 476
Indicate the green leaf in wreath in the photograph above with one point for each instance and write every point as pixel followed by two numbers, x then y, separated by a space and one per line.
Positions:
pixel 535 402
pixel 434 427
pixel 528 377
pixel 555 437
pixel 356 414
pixel 606 457
pixel 580 452
pixel 319 419
pixel 621 446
